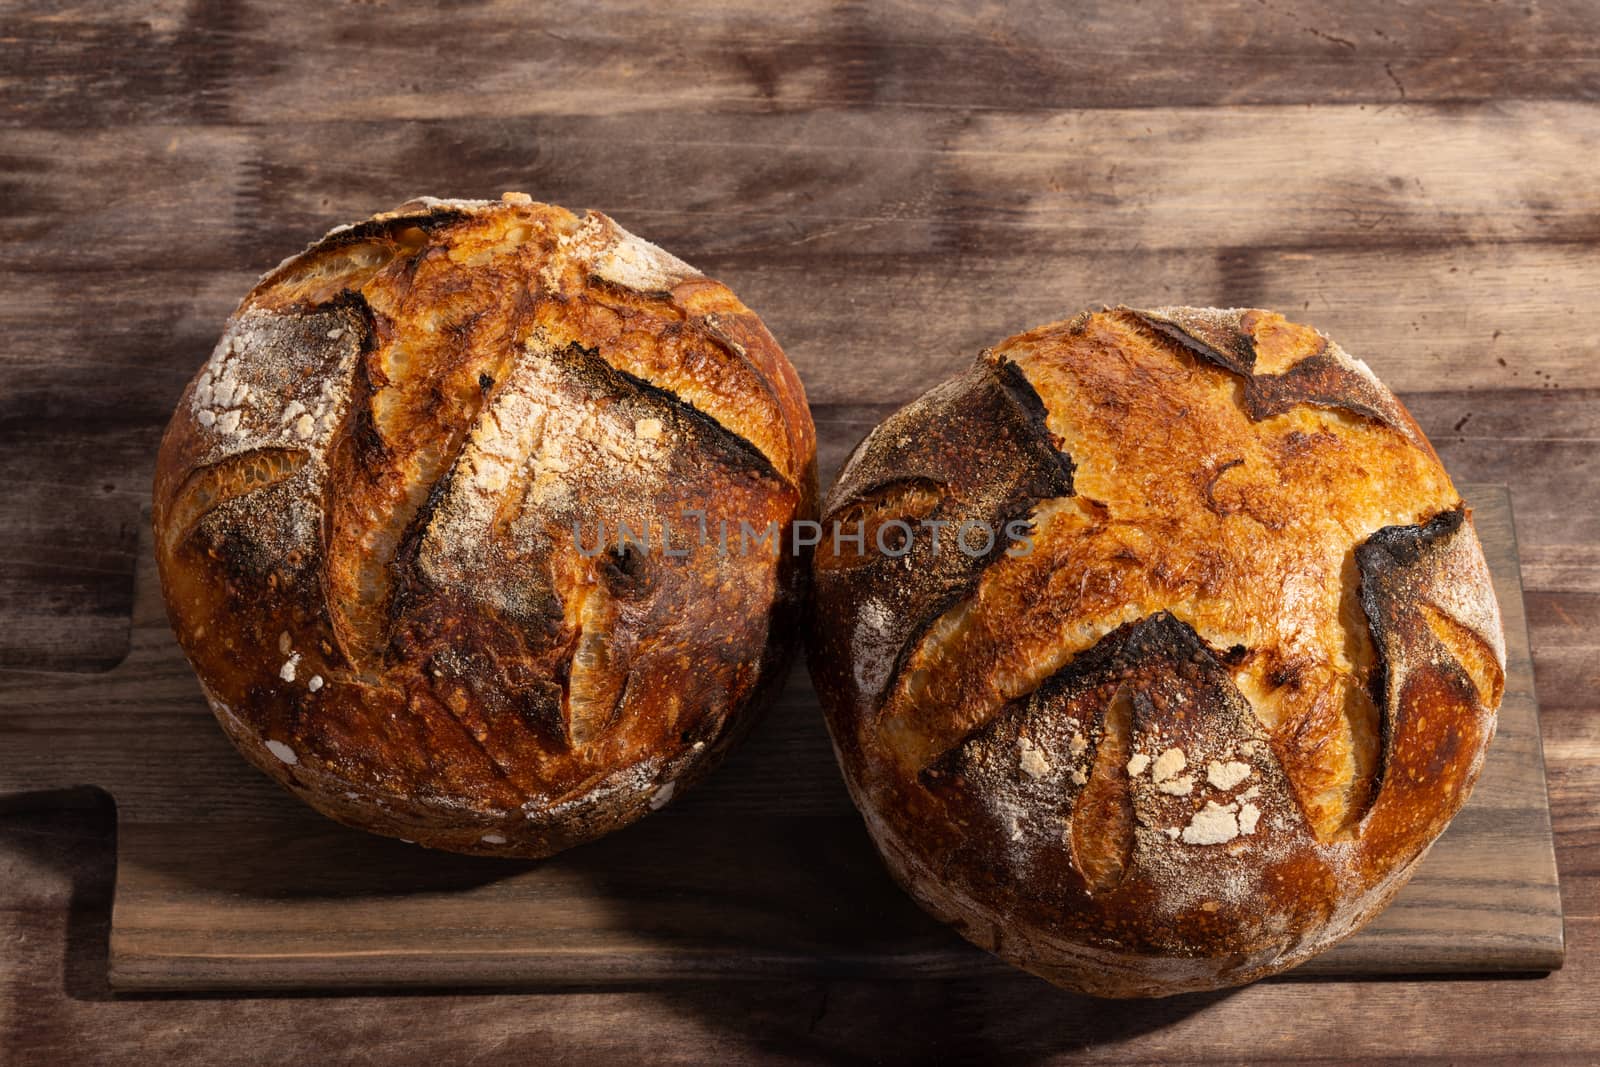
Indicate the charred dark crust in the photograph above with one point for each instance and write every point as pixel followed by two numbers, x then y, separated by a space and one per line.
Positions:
pixel 404 574
pixel 1235 352
pixel 983 440
pixel 735 332
pixel 1156 646
pixel 626 573
pixel 1005 412
pixel 430 222
pixel 1321 381
pixel 1405 545
pixel 1318 380
pixel 954 596
pixel 723 333
pixel 1387 562
pixel 352 301
pixel 1160 639
pixel 1179 691
pixel 590 366
pixel 1021 392
pixel 286 463
pixel 363 318
pixel 1114 658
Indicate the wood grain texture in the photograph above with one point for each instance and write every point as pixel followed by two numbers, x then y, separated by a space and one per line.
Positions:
pixel 261 62
pixel 820 157
pixel 840 181
pixel 763 873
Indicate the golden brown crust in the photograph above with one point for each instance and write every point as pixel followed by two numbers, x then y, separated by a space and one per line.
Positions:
pixel 1244 677
pixel 380 508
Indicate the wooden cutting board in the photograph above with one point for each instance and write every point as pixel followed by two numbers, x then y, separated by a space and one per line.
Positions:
pixel 764 872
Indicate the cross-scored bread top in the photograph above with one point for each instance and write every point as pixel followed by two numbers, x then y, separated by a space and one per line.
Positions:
pixel 1246 672
pixel 380 509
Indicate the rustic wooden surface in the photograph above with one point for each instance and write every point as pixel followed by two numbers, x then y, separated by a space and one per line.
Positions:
pixel 890 187
pixel 224 882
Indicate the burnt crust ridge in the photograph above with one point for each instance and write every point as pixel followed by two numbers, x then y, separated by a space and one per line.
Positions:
pixel 1025 778
pixel 1327 378
pixel 1016 386
pixel 980 438
pixel 1153 646
pixel 429 220
pixel 590 362
pixel 1383 561
pixel 1405 545
pixel 1233 350
pixel 1396 566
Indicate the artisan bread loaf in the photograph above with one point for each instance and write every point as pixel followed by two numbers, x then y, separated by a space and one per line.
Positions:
pixel 428 521
pixel 1203 710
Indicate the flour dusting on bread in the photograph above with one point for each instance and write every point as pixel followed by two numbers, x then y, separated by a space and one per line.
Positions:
pixel 1256 554
pixel 371 511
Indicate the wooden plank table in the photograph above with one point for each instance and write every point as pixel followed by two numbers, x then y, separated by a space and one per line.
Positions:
pixel 224 882
pixel 891 187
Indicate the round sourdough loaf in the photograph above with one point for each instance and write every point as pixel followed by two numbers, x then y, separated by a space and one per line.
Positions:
pixel 389 523
pixel 1202 716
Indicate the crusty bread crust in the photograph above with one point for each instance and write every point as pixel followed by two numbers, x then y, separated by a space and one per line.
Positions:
pixel 1208 725
pixel 378 505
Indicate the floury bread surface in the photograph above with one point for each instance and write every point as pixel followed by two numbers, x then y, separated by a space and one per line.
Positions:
pixel 377 508
pixel 1209 723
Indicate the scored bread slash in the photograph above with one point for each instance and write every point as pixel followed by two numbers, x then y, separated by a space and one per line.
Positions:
pixel 388 515
pixel 1242 676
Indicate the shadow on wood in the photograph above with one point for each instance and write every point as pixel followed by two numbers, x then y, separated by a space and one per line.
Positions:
pixel 763 872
